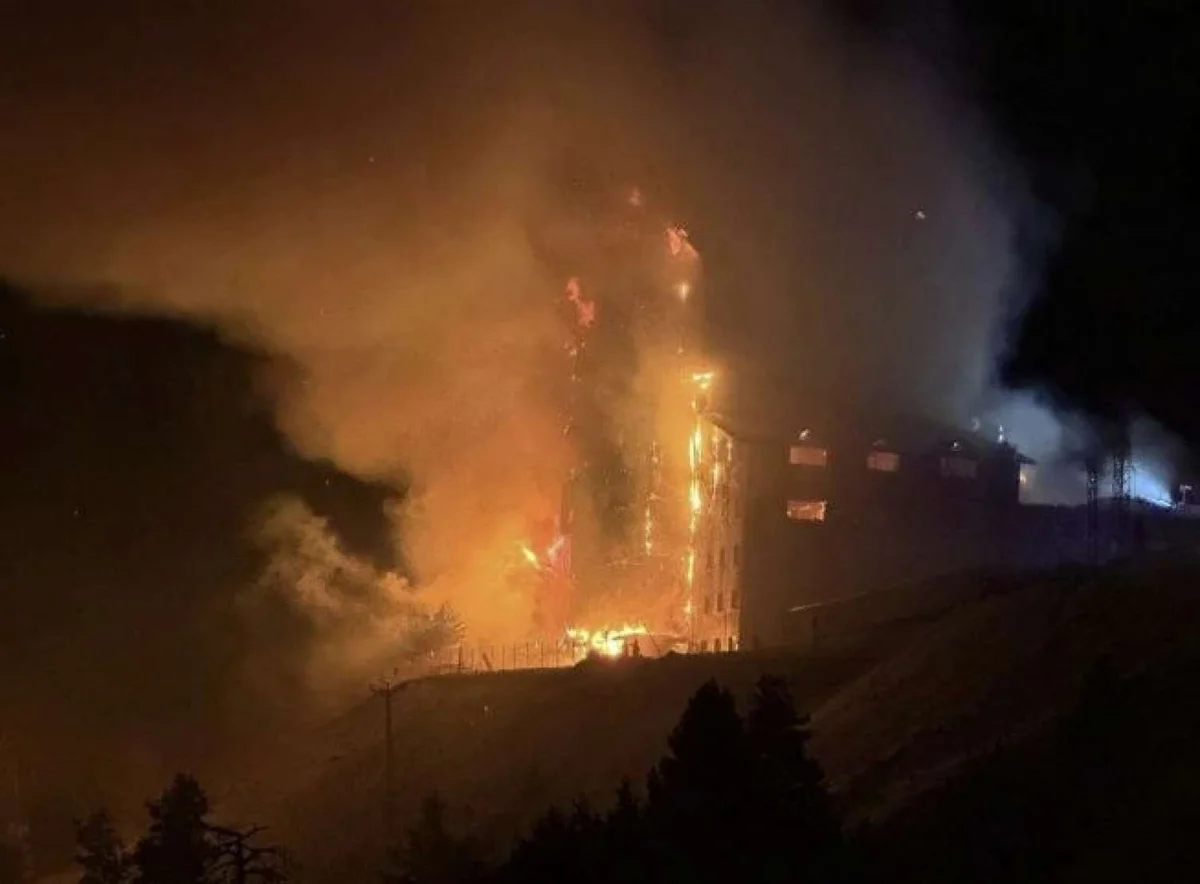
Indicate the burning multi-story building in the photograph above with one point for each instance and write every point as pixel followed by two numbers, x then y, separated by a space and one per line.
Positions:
pixel 684 519
pixel 619 557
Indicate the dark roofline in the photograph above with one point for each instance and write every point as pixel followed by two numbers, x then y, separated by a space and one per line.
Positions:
pixel 902 433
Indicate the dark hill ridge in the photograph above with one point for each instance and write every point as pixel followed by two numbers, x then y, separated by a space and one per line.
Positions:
pixel 896 711
pixel 136 452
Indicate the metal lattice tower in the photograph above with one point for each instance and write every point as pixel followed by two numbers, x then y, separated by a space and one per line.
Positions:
pixel 1093 510
pixel 1122 482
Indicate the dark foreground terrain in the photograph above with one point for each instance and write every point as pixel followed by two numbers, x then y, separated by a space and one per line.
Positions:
pixel 907 720
pixel 1035 730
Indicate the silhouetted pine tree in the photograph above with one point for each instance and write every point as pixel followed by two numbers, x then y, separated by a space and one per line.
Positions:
pixel 548 854
pixel 100 853
pixel 623 841
pixel 797 826
pixel 700 807
pixel 179 847
pixel 430 854
pixel 732 800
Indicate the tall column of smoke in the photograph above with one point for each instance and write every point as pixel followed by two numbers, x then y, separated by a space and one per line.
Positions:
pixel 365 211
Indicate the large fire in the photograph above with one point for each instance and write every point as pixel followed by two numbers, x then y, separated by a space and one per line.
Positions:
pixel 647 584
pixel 614 642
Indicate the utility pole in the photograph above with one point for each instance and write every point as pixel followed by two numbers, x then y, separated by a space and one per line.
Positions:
pixel 386 688
pixel 14 829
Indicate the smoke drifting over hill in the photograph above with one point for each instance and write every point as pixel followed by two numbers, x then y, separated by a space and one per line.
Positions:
pixel 359 190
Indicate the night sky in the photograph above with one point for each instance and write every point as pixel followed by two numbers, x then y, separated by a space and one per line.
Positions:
pixel 254 248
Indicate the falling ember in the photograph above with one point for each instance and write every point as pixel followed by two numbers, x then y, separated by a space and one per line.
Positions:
pixel 678 245
pixel 530 556
pixel 585 310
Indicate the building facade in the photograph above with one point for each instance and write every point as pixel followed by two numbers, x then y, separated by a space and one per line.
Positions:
pixel 794 517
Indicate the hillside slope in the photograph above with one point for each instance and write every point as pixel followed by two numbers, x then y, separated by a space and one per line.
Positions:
pixel 896 710
pixel 995 671
pixel 500 749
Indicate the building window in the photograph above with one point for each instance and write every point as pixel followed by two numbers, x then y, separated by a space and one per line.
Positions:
pixel 959 467
pixel 707 604
pixel 735 600
pixel 708 561
pixel 807 456
pixel 807 510
pixel 883 461
pixel 703 645
pixel 720 603
pixel 730 645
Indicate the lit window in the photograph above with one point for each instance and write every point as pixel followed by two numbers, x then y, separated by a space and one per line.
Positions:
pixel 807 510
pixel 808 456
pixel 883 461
pixel 959 467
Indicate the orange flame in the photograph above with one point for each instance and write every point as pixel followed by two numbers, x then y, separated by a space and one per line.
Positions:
pixel 608 642
pixel 585 310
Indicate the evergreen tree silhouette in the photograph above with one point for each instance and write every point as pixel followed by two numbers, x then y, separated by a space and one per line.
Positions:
pixel 549 853
pixel 179 847
pixel 732 800
pixel 430 854
pixel 623 842
pixel 798 828
pixel 100 853
pixel 700 805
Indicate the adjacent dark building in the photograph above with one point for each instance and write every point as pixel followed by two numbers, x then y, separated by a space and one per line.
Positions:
pixel 797 515
pixel 791 516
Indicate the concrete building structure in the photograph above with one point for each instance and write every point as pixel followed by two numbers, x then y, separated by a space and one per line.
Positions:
pixel 794 516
